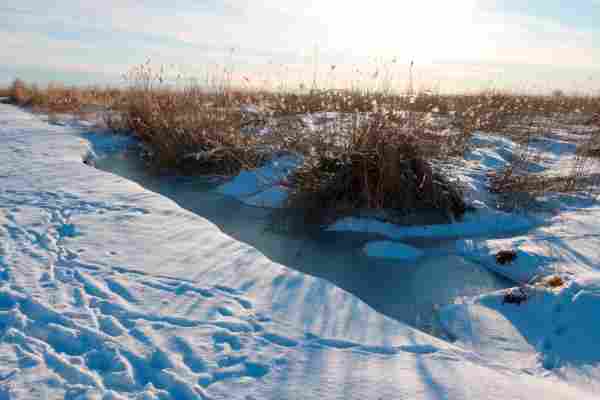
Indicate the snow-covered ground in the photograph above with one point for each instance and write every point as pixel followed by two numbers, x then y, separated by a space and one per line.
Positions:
pixel 554 333
pixel 110 291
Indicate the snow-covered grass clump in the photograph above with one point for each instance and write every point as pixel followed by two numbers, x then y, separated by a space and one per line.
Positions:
pixel 552 332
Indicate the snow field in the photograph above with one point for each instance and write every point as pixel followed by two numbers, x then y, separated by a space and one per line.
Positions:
pixel 110 291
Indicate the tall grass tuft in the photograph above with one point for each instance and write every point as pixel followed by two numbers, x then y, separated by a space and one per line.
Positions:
pixel 57 98
pixel 381 162
pixel 189 129
pixel 19 92
pixel 5 92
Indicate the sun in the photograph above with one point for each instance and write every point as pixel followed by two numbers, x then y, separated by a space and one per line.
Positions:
pixel 422 30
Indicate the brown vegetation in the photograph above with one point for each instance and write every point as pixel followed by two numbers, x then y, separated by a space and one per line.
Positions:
pixel 5 92
pixel 185 132
pixel 372 151
pixel 504 257
pixel 189 129
pixel 554 281
pixel 56 98
pixel 384 163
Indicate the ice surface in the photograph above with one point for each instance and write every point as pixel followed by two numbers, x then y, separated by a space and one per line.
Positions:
pixel 392 250
pixel 405 290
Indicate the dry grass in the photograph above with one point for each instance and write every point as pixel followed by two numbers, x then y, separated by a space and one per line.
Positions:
pixel 380 166
pixel 375 151
pixel 538 184
pixel 553 282
pixel 185 131
pixel 591 148
pixel 519 186
pixel 5 91
pixel 19 92
pixel 488 111
pixel 540 116
pixel 56 98
pixel 188 129
pixel 382 162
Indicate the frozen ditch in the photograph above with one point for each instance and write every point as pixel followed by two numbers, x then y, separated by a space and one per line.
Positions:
pixel 408 291
pixel 111 291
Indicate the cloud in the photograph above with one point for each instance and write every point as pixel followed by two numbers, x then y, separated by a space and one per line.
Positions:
pixel 495 34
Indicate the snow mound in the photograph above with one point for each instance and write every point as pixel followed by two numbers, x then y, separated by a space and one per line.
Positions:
pixel 550 334
pixel 566 244
pixel 264 186
pixel 478 223
pixel 532 258
pixel 490 152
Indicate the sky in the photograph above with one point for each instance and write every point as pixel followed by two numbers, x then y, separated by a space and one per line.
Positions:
pixel 457 45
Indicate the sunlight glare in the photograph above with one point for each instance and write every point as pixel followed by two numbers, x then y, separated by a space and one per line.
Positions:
pixel 423 29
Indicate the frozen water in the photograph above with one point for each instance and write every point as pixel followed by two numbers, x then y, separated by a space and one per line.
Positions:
pixel 405 289
pixel 111 291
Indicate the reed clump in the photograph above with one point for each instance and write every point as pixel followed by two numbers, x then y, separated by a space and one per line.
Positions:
pixel 384 163
pixel 190 129
pixel 57 98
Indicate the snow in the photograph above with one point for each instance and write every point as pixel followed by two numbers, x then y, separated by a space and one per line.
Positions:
pixel 265 186
pixel 479 223
pixel 553 333
pixel 392 250
pixel 566 244
pixel 108 290
pixel 531 259
pixel 491 152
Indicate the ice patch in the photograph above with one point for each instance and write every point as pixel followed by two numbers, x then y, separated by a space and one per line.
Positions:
pixel 273 197
pixel 392 250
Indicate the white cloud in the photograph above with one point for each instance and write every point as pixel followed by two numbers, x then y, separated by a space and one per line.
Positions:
pixel 436 34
